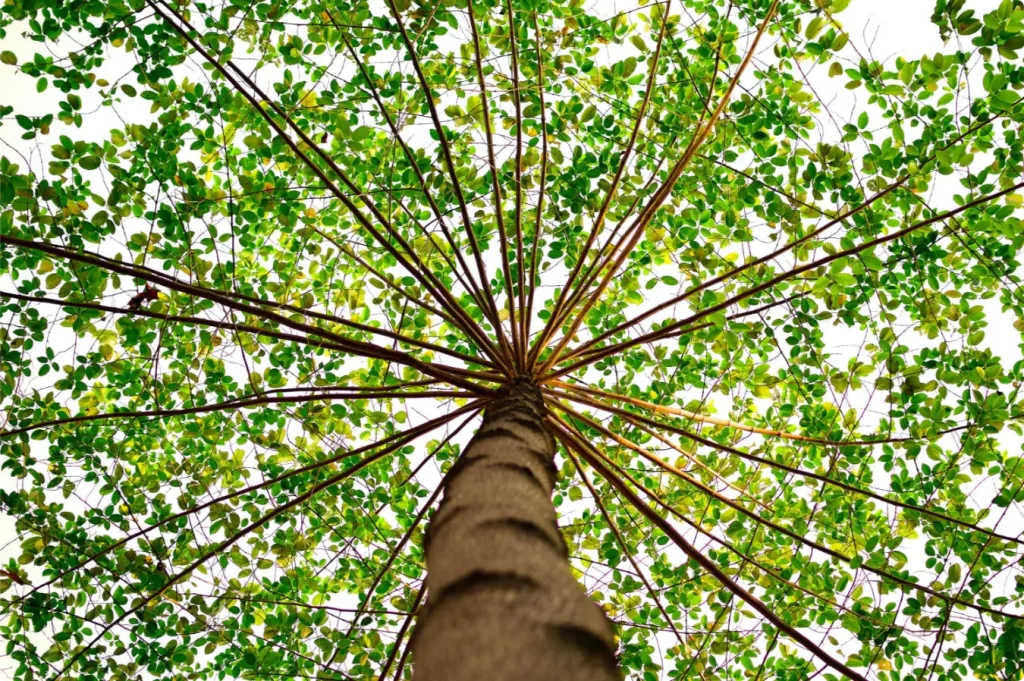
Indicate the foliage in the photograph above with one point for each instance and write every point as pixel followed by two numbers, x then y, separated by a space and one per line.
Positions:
pixel 248 328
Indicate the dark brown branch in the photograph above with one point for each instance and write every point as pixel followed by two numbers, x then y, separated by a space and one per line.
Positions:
pixel 397 440
pixel 139 312
pixel 227 543
pixel 355 347
pixel 701 418
pixel 791 469
pixel 235 404
pixel 371 590
pixel 449 164
pixel 427 193
pixel 514 50
pixel 539 223
pixel 626 550
pixel 421 274
pixel 556 313
pixel 570 440
pixel 667 330
pixel 499 213
pixel 722 542
pixel 398 639
pixel 633 234
pixel 801 538
pixel 778 252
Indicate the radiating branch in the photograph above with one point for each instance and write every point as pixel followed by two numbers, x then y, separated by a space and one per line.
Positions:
pixel 421 273
pixel 669 329
pixel 401 635
pixel 539 221
pixel 595 230
pixel 583 449
pixel 792 469
pixel 473 288
pixel 633 234
pixel 449 164
pixel 701 418
pixel 842 217
pixel 499 212
pixel 354 347
pixel 626 550
pixel 391 443
pixel 238 404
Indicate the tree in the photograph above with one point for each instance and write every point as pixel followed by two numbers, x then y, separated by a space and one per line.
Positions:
pixel 510 339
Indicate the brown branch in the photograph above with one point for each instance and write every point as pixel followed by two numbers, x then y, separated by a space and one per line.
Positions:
pixel 397 439
pixel 355 347
pixel 227 543
pixel 650 456
pixel 139 312
pixel 781 251
pixel 811 544
pixel 234 404
pixel 556 312
pixel 370 591
pixel 523 340
pixel 583 449
pixel 793 470
pixel 706 325
pixel 499 214
pixel 625 549
pixel 539 225
pixel 659 198
pixel 427 193
pixel 694 416
pixel 421 274
pixel 401 634
pixel 592 269
pixel 449 164
pixel 667 330
pixel 722 542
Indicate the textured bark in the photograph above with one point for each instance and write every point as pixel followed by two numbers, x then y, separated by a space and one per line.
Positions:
pixel 503 603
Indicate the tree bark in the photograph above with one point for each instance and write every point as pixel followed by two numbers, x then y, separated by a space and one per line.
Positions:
pixel 503 604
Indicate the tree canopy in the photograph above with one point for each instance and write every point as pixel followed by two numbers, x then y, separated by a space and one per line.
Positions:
pixel 262 265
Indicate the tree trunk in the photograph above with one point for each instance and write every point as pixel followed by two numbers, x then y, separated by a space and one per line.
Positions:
pixel 503 603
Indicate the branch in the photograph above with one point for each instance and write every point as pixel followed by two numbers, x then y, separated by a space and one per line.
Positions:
pixel 523 339
pixel 499 214
pixel 728 545
pixel 227 543
pixel 781 251
pixel 625 550
pixel 811 544
pixel 556 312
pixel 796 471
pixel 410 157
pixel 233 404
pixel 667 330
pixel 421 274
pixel 583 449
pixel 694 416
pixel 392 441
pixel 371 590
pixel 650 456
pixel 538 227
pixel 660 196
pixel 449 164
pixel 401 634
pixel 254 329
pixel 355 347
